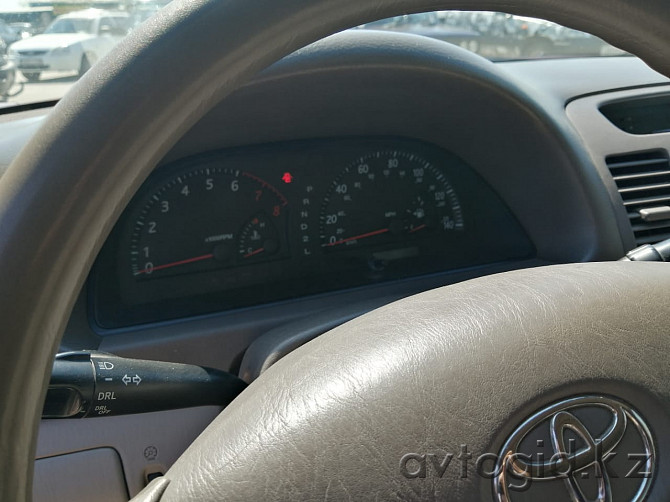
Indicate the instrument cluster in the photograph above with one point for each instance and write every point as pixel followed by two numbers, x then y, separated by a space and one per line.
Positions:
pixel 248 226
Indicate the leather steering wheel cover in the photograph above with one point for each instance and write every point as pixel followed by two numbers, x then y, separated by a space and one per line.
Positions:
pixel 62 194
pixel 463 364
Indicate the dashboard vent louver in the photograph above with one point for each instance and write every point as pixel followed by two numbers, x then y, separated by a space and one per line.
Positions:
pixel 643 180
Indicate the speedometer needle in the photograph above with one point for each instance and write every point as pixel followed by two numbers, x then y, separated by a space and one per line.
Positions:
pixel 176 263
pixel 357 237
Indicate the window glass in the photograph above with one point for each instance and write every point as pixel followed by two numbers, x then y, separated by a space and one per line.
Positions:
pixel 70 25
pixel 45 50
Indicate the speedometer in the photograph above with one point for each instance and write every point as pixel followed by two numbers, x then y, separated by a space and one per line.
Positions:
pixel 388 197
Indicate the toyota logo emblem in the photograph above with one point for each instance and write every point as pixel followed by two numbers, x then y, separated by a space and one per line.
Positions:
pixel 588 448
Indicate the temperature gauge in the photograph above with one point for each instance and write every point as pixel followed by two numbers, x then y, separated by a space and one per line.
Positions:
pixel 258 238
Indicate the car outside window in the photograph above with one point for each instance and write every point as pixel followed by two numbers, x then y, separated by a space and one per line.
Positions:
pixel 71 25
pixel 42 70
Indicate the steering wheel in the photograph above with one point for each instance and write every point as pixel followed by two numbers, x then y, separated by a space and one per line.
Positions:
pixel 375 408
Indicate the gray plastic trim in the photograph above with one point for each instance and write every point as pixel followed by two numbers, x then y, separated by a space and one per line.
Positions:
pixel 80 477
pixel 153 440
pixel 570 78
pixel 602 138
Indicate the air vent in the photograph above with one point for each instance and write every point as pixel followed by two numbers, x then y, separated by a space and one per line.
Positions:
pixel 643 180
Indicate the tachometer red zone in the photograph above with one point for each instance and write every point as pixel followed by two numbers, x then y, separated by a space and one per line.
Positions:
pixel 267 185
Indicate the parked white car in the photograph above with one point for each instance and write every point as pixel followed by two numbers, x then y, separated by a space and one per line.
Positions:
pixel 72 42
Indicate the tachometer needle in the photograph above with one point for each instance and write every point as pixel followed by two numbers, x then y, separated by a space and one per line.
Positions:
pixel 177 263
pixel 357 237
pixel 254 253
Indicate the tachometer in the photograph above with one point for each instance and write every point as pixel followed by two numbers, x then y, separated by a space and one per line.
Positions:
pixel 387 197
pixel 207 218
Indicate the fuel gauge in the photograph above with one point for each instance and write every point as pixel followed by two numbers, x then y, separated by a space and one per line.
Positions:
pixel 258 239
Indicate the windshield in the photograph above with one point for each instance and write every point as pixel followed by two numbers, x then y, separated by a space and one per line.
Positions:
pixel 41 69
pixel 498 36
pixel 70 25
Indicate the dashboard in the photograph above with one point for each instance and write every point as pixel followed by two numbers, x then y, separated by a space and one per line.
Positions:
pixel 242 227
pixel 287 204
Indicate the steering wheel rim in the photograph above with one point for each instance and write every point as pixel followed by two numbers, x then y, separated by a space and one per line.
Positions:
pixel 424 398
pixel 65 205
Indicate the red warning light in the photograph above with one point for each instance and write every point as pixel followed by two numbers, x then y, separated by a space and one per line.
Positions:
pixel 287 177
